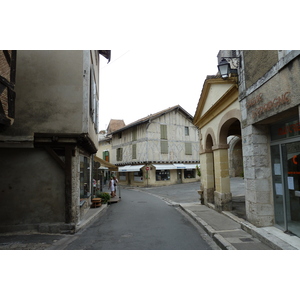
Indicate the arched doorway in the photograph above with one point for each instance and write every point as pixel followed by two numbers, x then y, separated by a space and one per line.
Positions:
pixel 230 194
pixel 207 168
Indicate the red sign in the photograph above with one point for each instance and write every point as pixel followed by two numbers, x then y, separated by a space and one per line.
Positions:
pixel 147 168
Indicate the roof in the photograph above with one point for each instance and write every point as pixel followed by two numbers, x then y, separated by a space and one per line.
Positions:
pixel 115 125
pixel 154 116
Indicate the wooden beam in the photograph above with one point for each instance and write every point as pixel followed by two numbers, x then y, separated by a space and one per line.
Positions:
pixel 55 156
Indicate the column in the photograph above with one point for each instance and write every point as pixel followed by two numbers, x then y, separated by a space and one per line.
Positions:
pixel 222 194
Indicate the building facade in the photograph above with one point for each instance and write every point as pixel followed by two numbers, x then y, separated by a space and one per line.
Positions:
pixel 46 156
pixel 269 99
pixel 160 149
pixel 218 118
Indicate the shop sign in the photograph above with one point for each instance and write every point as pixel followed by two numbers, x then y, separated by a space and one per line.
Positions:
pixel 270 105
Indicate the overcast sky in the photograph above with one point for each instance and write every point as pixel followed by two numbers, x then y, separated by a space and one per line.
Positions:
pixel 138 82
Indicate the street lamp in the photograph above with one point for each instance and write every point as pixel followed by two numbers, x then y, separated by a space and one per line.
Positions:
pixel 225 69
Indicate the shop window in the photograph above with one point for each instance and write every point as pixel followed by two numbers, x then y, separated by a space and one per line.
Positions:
pixel 285 129
pixel 84 177
pixel 189 173
pixel 138 176
pixel 122 176
pixel 162 175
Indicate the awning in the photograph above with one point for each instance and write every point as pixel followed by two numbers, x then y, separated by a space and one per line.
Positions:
pixel 175 166
pixel 191 166
pixel 165 167
pixel 179 166
pixel 130 168
pixel 105 163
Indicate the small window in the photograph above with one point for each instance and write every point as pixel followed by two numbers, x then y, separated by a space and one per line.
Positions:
pixel 134 151
pixel 163 132
pixel 164 147
pixel 120 135
pixel 119 154
pixel 186 131
pixel 106 155
pixel 188 149
pixel 134 134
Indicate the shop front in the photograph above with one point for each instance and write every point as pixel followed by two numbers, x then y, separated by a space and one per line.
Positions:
pixel 271 147
pixel 285 157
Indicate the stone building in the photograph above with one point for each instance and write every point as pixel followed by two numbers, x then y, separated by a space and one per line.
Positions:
pixel 160 149
pixel 46 155
pixel 269 89
pixel 218 118
pixel 254 111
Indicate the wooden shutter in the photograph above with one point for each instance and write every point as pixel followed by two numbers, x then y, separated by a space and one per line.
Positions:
pixel 163 132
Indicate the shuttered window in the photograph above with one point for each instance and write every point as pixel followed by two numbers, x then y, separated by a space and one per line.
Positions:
pixel 188 149
pixel 134 151
pixel 119 154
pixel 134 134
pixel 164 147
pixel 163 132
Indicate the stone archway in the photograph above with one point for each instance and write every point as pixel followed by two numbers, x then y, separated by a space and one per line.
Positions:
pixel 207 167
pixel 229 126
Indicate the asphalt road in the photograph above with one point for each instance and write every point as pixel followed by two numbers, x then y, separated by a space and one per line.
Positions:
pixel 140 221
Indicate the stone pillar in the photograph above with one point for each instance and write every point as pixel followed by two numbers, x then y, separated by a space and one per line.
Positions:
pixel 207 176
pixel 222 194
pixel 258 176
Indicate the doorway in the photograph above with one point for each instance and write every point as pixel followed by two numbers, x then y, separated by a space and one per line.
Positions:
pixel 286 185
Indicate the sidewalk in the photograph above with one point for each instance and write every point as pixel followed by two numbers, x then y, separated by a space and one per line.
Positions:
pixel 230 232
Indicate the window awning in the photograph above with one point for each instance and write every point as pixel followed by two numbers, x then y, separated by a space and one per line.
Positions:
pixel 165 167
pixel 130 168
pixel 191 166
pixel 105 163
pixel 179 166
pixel 175 166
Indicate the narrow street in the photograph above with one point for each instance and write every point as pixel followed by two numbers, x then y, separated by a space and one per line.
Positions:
pixel 140 221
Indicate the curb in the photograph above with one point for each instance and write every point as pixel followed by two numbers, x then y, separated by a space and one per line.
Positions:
pixel 217 238
pixel 85 222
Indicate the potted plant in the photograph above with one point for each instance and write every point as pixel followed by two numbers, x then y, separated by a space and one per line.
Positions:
pixel 104 197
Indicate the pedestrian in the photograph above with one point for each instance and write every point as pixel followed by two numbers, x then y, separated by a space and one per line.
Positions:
pixel 111 186
pixel 115 185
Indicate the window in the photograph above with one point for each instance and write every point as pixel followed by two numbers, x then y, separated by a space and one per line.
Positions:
pixel 134 151
pixel 190 173
pixel 188 149
pixel 122 176
pixel 93 100
pixel 186 131
pixel 164 147
pixel 120 135
pixel 119 154
pixel 138 176
pixel 163 132
pixel 106 155
pixel 134 134
pixel 84 177
pixel 162 175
